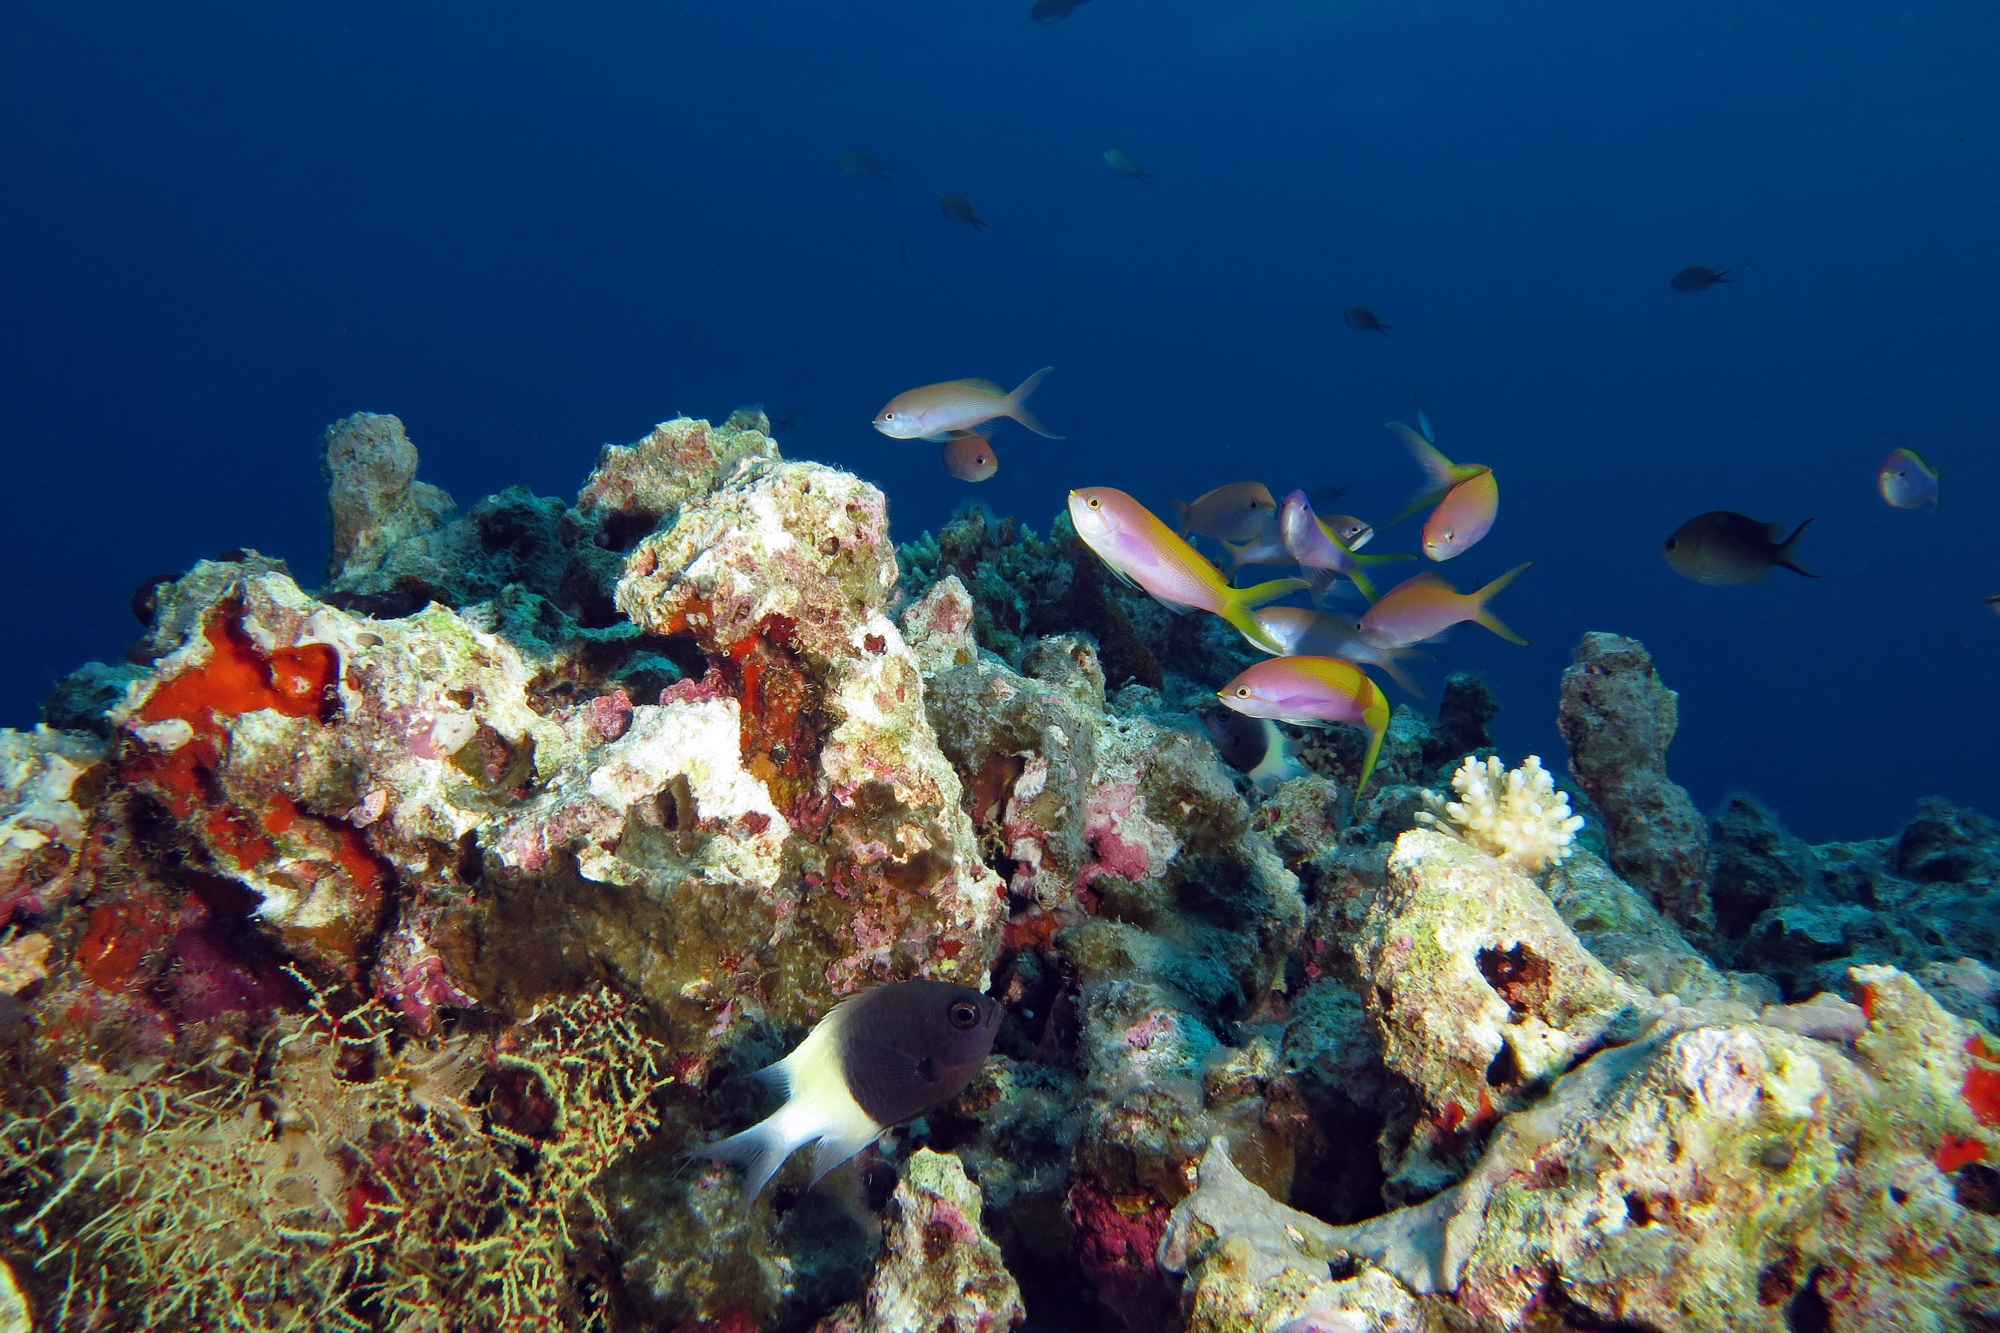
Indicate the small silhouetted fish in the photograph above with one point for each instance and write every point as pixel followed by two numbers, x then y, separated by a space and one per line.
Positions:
pixel 1121 162
pixel 1324 496
pixel 1363 320
pixel 959 209
pixel 792 420
pixel 876 1060
pixel 1699 278
pixel 969 456
pixel 1908 481
pixel 1723 546
pixel 857 163
pixel 1253 746
pixel 1993 602
pixel 1053 11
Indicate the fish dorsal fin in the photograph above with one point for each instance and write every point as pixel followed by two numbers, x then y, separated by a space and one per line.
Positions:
pixel 984 386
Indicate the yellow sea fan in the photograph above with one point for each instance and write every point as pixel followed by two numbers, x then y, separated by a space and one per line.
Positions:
pixel 1516 816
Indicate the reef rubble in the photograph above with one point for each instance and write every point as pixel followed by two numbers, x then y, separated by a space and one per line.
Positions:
pixel 379 955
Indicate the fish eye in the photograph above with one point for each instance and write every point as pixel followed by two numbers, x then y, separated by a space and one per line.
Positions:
pixel 964 1015
pixel 1243 691
pixel 1095 502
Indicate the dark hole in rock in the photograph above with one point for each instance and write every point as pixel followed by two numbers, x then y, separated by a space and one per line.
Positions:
pixel 1580 1318
pixel 471 861
pixel 1505 1068
pixel 391 604
pixel 1520 976
pixel 623 531
pixel 937 1241
pixel 1778 1280
pixel 1777 1156
pixel 146 597
pixel 678 811
pixel 986 796
pixel 1808 1312
pixel 1898 1195
pixel 1978 1188
pixel 1636 1209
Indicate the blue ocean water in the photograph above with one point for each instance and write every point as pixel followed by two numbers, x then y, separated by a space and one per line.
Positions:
pixel 529 230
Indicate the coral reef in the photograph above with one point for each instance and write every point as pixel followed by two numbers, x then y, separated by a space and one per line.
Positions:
pixel 1517 816
pixel 379 956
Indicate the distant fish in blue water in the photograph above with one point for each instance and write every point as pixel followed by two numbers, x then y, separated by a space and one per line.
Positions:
pixel 959 209
pixel 1253 746
pixel 940 411
pixel 969 456
pixel 1121 162
pixel 1723 546
pixel 1424 426
pixel 790 421
pixel 857 163
pixel 1053 11
pixel 1239 512
pixel 1908 481
pixel 1993 602
pixel 1699 278
pixel 1363 320
pixel 876 1060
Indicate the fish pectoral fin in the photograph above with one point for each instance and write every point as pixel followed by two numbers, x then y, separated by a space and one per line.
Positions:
pixel 834 1149
pixel 1125 578
pixel 1178 608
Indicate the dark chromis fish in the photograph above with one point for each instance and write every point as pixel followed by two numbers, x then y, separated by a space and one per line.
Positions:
pixel 876 1060
pixel 970 457
pixel 1238 512
pixel 1146 554
pixel 1253 746
pixel 1313 692
pixel 959 209
pixel 1363 320
pixel 1908 481
pixel 1699 278
pixel 1053 11
pixel 857 163
pixel 1723 546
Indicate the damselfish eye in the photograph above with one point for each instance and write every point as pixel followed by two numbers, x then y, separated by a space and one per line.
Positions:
pixel 964 1015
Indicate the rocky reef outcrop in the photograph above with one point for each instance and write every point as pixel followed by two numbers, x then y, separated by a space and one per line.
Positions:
pixel 381 955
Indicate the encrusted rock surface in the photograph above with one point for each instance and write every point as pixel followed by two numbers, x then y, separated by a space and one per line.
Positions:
pixel 1618 720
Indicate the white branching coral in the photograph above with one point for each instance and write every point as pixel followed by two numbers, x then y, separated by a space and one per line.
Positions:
pixel 1517 816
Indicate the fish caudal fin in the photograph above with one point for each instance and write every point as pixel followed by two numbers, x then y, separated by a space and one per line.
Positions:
pixel 1367 588
pixel 761 1149
pixel 1017 404
pixel 1487 618
pixel 1181 508
pixel 1375 716
pixel 1387 661
pixel 1785 551
pixel 1237 604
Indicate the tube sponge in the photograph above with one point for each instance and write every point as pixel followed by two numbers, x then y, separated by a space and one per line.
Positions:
pixel 1516 816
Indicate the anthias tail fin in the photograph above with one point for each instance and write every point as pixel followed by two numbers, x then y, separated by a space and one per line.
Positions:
pixel 1017 404
pixel 1237 604
pixel 1487 618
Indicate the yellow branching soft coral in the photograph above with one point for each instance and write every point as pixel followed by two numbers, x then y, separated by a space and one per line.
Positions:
pixel 1517 816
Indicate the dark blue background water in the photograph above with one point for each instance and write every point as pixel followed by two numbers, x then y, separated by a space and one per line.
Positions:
pixel 530 229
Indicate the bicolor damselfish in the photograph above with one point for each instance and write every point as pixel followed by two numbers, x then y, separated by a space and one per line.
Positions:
pixel 877 1059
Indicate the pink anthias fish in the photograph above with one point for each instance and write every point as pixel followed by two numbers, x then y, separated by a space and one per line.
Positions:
pixel 1467 496
pixel 1426 606
pixel 969 456
pixel 939 411
pixel 1312 543
pixel 1313 692
pixel 1146 554
pixel 1307 633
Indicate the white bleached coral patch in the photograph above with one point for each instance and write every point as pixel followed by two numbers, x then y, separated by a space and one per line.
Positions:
pixel 1516 816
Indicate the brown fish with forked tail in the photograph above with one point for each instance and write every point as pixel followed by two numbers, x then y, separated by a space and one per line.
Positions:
pixel 1723 546
pixel 959 209
pixel 877 1059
